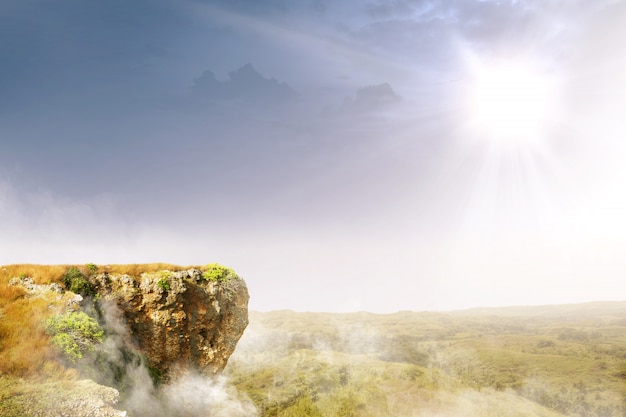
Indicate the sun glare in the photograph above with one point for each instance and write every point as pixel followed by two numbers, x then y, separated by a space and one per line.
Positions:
pixel 510 101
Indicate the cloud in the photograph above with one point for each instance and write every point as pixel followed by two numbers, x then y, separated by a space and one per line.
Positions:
pixel 41 226
pixel 244 84
pixel 373 97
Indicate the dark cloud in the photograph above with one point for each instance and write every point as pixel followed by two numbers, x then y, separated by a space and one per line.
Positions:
pixel 389 9
pixel 264 7
pixel 373 97
pixel 244 84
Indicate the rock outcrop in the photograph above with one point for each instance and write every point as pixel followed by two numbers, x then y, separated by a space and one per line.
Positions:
pixel 81 398
pixel 179 320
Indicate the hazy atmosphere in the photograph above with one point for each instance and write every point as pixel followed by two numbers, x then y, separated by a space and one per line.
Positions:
pixel 340 156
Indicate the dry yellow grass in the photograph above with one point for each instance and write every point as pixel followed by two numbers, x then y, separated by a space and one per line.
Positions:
pixel 41 274
pixel 23 342
pixel 137 269
pixel 25 350
pixel 46 274
pixel 8 294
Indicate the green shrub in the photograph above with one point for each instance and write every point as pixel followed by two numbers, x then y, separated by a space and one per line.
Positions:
pixel 304 406
pixel 75 333
pixel 219 273
pixel 75 281
pixel 545 344
pixel 93 268
pixel 164 283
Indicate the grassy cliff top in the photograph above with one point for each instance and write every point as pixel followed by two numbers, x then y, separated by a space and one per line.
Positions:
pixel 25 348
pixel 46 274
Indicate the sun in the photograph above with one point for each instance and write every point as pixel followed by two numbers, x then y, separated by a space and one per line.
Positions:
pixel 510 101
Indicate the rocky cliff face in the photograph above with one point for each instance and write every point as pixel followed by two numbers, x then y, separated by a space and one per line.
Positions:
pixel 179 320
pixel 82 398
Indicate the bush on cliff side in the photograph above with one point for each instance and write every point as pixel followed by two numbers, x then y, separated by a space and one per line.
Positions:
pixel 75 281
pixel 219 273
pixel 75 333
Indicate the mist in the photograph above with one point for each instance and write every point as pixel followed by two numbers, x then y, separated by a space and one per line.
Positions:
pixel 507 361
pixel 118 363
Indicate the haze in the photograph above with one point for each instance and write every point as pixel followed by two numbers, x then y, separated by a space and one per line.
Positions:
pixel 331 153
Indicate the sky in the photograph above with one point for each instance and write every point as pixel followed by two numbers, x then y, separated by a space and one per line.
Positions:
pixel 340 156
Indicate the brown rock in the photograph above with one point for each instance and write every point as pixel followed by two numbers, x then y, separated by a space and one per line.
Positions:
pixel 179 320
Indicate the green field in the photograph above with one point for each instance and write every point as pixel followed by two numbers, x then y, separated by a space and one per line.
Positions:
pixel 535 361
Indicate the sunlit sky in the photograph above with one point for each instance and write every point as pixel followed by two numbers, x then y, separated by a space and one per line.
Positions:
pixel 340 156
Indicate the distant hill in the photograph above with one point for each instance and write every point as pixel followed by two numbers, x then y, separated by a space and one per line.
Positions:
pixel 548 361
pixel 580 310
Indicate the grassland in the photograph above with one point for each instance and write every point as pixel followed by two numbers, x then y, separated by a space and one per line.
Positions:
pixel 542 361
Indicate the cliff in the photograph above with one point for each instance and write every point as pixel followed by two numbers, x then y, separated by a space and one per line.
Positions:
pixel 123 326
pixel 179 320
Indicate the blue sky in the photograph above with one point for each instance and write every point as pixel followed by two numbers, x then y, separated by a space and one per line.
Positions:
pixel 330 152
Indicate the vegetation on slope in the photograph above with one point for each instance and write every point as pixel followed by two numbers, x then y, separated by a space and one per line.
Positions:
pixel 517 362
pixel 25 345
pixel 58 397
pixel 51 327
pixel 75 333
pixel 424 364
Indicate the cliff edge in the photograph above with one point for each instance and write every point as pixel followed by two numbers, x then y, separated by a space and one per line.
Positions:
pixel 182 319
pixel 62 327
